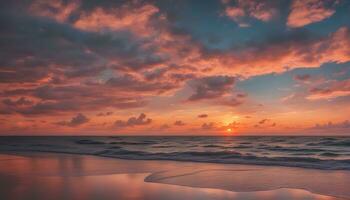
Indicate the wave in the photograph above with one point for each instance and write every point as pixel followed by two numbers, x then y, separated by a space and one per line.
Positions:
pixel 320 153
pixel 230 157
pixel 341 143
pixel 88 142
pixel 290 149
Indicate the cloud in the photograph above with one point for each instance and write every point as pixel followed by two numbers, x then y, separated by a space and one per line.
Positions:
pixel 217 90
pixel 282 53
pixel 304 12
pixel 208 126
pixel 261 10
pixel 22 76
pixel 234 13
pixel 233 126
pixel 179 123
pixel 155 74
pixel 178 77
pixel 101 114
pixel 128 82
pixel 231 102
pixel 83 54
pixel 53 100
pixel 19 102
pixel 330 125
pixel 66 57
pixel 302 78
pixel 100 18
pixel 211 87
pixel 126 17
pixel 56 9
pixel 134 121
pixel 75 121
pixel 333 89
pixel 88 53
pixel 164 126
pixel 320 89
pixel 202 116
pixel 263 121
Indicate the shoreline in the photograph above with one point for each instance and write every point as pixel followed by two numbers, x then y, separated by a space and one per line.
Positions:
pixel 239 178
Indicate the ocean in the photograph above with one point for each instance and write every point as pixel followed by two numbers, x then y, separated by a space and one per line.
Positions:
pixel 293 151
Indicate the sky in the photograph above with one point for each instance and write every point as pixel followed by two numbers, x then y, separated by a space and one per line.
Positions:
pixel 229 67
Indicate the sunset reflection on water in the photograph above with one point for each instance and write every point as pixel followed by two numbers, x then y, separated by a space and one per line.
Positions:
pixel 55 176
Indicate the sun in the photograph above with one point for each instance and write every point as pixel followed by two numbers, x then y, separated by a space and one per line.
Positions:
pixel 230 131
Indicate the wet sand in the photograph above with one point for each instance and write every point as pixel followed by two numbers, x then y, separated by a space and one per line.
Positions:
pixel 31 176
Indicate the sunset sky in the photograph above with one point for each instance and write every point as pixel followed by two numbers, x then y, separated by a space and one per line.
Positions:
pixel 242 67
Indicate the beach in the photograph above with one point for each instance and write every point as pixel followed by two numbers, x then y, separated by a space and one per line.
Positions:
pixel 39 175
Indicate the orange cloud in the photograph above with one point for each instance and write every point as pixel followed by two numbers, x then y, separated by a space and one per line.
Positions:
pixel 304 12
pixel 261 10
pixel 282 56
pixel 334 90
pixel 136 19
pixel 57 9
pixel 234 12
